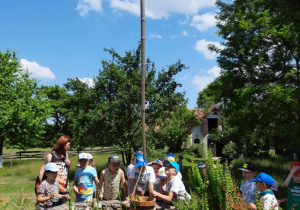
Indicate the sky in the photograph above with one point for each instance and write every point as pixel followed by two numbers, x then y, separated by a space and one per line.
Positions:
pixel 61 39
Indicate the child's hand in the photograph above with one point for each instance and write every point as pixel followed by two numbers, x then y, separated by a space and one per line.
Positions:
pixel 294 169
pixel 100 195
pixel 67 196
pixel 54 195
pixel 155 193
pixel 75 190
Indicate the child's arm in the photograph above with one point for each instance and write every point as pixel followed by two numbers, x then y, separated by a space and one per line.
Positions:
pixel 123 182
pixel 102 175
pixel 288 178
pixel 75 187
pixel 167 198
pixel 40 198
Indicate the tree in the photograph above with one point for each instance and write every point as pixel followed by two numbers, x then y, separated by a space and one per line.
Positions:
pixel 111 110
pixel 174 130
pixel 23 109
pixel 260 77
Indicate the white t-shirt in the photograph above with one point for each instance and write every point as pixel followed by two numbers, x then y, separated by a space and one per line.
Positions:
pixel 146 177
pixel 129 168
pixel 179 175
pixel 248 189
pixel 269 202
pixel 176 186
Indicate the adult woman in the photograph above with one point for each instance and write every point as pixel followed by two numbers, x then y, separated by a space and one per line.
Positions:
pixel 60 157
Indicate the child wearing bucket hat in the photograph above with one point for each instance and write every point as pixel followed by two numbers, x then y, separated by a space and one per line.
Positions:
pixel 175 187
pixel 44 193
pixel 83 181
pixel 248 188
pixel 160 183
pixel 144 175
pixel 112 177
pixel 263 184
pixel 292 181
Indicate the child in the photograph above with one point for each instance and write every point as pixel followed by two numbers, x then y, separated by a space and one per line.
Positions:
pixel 130 167
pixel 171 157
pixel 156 165
pixel 146 178
pixel 248 188
pixel 293 183
pixel 83 181
pixel 160 183
pixel 175 187
pixel 263 184
pixel 112 177
pixel 44 194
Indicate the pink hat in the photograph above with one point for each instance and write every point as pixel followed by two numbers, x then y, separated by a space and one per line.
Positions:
pixel 296 164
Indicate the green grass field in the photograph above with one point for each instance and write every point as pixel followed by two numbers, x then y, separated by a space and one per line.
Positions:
pixel 18 174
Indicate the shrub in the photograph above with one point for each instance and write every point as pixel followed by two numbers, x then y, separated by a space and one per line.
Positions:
pixel 230 150
pixel 196 150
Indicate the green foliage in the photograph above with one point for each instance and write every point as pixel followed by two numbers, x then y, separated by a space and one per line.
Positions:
pixel 23 109
pixel 20 203
pixel 196 150
pixel 230 150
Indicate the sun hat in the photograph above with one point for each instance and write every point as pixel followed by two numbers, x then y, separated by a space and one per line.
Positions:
pixel 83 156
pixel 114 159
pixel 51 167
pixel 173 165
pixel 296 164
pixel 90 156
pixel 170 157
pixel 162 173
pixel 248 166
pixel 140 161
pixel 158 162
pixel 137 153
pixel 263 177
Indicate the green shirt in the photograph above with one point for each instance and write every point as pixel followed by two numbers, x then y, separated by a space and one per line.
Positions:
pixel 293 196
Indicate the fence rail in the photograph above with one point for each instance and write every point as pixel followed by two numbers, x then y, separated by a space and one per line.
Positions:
pixel 41 154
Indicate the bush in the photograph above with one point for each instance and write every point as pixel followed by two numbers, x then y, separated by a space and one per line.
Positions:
pixel 196 150
pixel 230 150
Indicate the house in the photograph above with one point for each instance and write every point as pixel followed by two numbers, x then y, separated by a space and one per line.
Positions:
pixel 210 119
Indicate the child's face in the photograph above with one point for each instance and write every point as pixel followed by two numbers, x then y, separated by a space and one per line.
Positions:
pixel 260 186
pixel 170 171
pixel 51 175
pixel 140 169
pixel 296 178
pixel 156 168
pixel 114 167
pixel 163 181
pixel 134 160
pixel 83 163
pixel 248 175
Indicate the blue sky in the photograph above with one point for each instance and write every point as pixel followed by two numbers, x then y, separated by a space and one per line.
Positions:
pixel 61 39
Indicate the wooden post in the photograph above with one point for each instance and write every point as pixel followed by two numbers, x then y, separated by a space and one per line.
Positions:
pixel 142 2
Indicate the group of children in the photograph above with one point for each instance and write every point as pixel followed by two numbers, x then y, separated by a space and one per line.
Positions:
pixel 159 179
pixel 265 186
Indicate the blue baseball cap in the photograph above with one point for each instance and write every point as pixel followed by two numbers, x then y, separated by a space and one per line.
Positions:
pixel 140 161
pixel 173 165
pixel 137 153
pixel 263 177
pixel 51 167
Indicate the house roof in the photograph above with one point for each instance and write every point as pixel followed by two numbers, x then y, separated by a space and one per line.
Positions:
pixel 201 113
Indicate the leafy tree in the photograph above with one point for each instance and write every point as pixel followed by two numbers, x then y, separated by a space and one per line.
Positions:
pixel 23 109
pixel 259 85
pixel 110 112
pixel 174 130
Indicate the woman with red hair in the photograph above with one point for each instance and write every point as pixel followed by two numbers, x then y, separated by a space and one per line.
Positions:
pixel 60 157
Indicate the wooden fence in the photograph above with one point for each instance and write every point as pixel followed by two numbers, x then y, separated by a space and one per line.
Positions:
pixel 41 154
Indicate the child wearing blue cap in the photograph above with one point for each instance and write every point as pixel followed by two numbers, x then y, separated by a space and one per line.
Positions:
pixel 130 167
pixel 175 187
pixel 263 184
pixel 146 179
pixel 171 157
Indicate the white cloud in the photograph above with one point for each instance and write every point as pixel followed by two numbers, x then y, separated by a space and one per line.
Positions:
pixel 158 9
pixel 184 33
pixel 214 71
pixel 201 82
pixel 36 70
pixel 155 36
pixel 202 46
pixel 204 22
pixel 84 6
pixel 89 81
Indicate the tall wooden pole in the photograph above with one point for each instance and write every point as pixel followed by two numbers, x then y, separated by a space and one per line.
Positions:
pixel 143 73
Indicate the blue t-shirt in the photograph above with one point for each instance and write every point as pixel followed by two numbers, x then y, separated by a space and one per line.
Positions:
pixel 85 178
pixel 248 189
